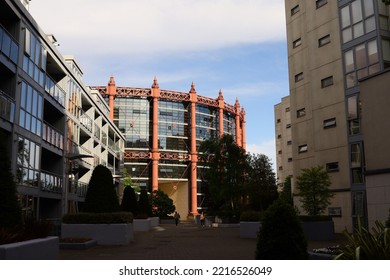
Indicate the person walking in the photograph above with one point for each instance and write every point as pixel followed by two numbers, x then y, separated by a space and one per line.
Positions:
pixel 202 219
pixel 176 216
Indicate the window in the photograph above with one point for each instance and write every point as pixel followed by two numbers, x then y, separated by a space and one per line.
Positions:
pixel 357 163
pixel 278 120
pixel 332 167
pixel 353 115
pixel 289 142
pixel 330 123
pixel 327 82
pixel 288 125
pixel 302 148
pixel 280 168
pixel 301 113
pixel 280 152
pixel 323 41
pixel 299 77
pixel 320 3
pixel 279 136
pixel 288 109
pixel 357 19
pixel 289 159
pixel 297 43
pixel 295 10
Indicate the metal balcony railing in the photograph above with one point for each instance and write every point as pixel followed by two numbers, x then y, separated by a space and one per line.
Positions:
pixel 53 136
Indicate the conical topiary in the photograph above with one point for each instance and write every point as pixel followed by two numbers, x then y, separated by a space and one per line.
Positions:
pixel 129 201
pixel 144 208
pixel 281 235
pixel 10 210
pixel 101 195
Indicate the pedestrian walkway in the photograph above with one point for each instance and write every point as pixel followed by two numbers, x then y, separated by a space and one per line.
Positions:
pixel 187 241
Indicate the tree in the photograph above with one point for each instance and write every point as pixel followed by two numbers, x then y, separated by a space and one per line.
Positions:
pixel 129 200
pixel 286 194
pixel 313 187
pixel 261 185
pixel 10 210
pixel 225 175
pixel 281 235
pixel 387 2
pixel 144 209
pixel 162 205
pixel 101 196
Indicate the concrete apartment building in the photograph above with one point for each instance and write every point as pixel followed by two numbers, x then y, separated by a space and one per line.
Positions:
pixel 337 54
pixel 163 130
pixel 56 129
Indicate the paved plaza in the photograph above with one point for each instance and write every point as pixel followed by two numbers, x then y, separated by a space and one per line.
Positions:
pixel 187 241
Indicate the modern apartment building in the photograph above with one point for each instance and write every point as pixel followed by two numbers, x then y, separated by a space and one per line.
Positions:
pixel 163 130
pixel 56 129
pixel 333 47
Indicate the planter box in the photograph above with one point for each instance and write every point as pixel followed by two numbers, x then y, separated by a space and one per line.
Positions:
pixel 104 234
pixel 167 221
pixel 318 230
pixel 249 229
pixel 142 224
pixel 78 246
pixel 154 221
pixel 35 249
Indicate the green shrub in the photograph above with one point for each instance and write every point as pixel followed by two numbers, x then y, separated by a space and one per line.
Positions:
pixel 252 216
pixel 101 195
pixel 388 221
pixel 366 245
pixel 129 201
pixel 144 208
pixel 281 236
pixel 31 229
pixel 162 205
pixel 98 218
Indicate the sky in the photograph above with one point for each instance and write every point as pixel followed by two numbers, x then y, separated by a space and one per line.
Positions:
pixel 237 46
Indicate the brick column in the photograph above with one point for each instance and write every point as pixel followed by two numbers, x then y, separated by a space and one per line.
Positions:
pixel 111 91
pixel 238 123
pixel 221 105
pixel 194 153
pixel 155 148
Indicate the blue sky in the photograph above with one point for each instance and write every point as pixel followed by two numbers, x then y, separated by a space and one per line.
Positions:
pixel 238 46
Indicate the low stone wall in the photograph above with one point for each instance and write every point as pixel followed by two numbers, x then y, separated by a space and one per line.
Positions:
pixel 142 224
pixel 318 230
pixel 104 234
pixel 249 229
pixel 34 249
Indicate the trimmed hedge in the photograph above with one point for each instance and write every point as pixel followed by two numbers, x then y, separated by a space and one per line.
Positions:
pixel 252 216
pixel 98 218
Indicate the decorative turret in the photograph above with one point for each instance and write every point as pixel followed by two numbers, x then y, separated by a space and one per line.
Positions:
pixel 155 83
pixel 192 90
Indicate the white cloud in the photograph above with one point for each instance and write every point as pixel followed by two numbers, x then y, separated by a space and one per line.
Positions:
pixel 266 147
pixel 156 26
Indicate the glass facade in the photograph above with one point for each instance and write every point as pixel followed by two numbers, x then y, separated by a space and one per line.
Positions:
pixel 207 119
pixel 173 130
pixel 31 104
pixel 132 117
pixel 28 162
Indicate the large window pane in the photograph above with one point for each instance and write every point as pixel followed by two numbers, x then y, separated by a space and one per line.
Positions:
pixel 372 52
pixel 349 62
pixel 345 17
pixel 368 8
pixel 356 11
pixel 369 24
pixel 360 53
